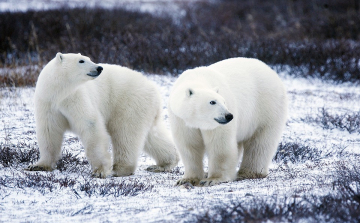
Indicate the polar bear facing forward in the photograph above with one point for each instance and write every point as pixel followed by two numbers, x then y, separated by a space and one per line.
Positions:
pixel 95 102
pixel 233 107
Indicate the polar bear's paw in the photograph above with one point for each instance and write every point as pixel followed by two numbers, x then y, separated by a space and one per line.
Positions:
pixel 207 182
pixel 242 175
pixel 38 168
pixel 122 171
pixel 100 173
pixel 157 169
pixel 192 181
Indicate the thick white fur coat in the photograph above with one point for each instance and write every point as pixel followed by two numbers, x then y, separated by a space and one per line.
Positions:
pixel 119 104
pixel 255 97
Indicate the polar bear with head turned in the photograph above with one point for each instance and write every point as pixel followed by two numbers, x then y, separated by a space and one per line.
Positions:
pixel 212 107
pixel 231 108
pixel 95 102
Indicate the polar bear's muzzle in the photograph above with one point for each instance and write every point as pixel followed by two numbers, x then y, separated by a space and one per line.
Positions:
pixel 95 73
pixel 224 120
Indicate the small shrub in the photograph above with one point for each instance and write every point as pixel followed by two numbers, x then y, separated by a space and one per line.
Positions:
pixel 340 205
pixel 70 162
pixel 40 181
pixel 348 182
pixel 16 154
pixel 36 181
pixel 344 122
pixel 318 39
pixel 114 188
pixel 258 210
pixel 296 153
pixel 7 156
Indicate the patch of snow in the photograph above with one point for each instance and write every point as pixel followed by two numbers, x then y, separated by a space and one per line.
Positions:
pixel 166 202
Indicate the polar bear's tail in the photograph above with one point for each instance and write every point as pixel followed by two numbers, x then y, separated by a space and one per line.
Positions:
pixel 161 147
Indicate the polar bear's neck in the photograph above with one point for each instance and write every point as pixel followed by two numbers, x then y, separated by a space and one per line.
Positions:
pixel 52 88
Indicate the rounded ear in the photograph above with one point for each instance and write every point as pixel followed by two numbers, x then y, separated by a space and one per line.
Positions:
pixel 189 92
pixel 59 57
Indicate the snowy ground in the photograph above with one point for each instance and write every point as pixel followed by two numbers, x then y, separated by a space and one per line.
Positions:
pixel 72 195
pixel 23 5
pixel 159 200
pixel 159 7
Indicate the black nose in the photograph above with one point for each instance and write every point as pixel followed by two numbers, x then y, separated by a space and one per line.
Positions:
pixel 99 69
pixel 229 117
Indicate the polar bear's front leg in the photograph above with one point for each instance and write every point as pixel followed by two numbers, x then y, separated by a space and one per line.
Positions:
pixel 191 148
pixel 49 141
pixel 96 142
pixel 49 131
pixel 258 153
pixel 221 148
pixel 192 157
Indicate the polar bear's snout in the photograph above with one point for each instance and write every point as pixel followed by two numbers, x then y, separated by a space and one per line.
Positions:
pixel 99 69
pixel 96 73
pixel 224 120
pixel 229 117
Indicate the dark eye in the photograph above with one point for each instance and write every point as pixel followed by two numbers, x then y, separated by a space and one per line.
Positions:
pixel 212 102
pixel 81 61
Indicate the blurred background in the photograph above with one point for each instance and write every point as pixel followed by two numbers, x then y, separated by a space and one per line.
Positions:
pixel 317 38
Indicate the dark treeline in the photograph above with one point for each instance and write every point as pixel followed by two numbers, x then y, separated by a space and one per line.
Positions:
pixel 317 38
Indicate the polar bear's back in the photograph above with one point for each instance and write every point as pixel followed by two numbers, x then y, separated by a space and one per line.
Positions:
pixel 250 74
pixel 121 90
pixel 258 90
pixel 243 69
pixel 123 77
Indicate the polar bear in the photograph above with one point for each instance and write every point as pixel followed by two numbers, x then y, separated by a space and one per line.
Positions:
pixel 95 102
pixel 231 108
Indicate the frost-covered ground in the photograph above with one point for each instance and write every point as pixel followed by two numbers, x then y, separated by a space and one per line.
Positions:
pixel 311 153
pixel 70 194
pixel 170 7
pixel 23 5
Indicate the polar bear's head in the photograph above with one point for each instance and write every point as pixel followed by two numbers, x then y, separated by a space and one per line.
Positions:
pixel 76 68
pixel 201 108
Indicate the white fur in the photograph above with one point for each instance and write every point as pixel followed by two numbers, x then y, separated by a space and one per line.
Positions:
pixel 119 102
pixel 255 96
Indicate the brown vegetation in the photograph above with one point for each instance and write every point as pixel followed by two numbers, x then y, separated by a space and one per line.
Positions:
pixel 316 38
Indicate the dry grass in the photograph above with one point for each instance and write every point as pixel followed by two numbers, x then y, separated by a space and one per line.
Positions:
pixel 317 39
pixel 342 205
pixel 345 122
pixel 320 39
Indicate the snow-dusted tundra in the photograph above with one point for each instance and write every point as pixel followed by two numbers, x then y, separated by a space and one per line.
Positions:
pixel 23 198
pixel 310 154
